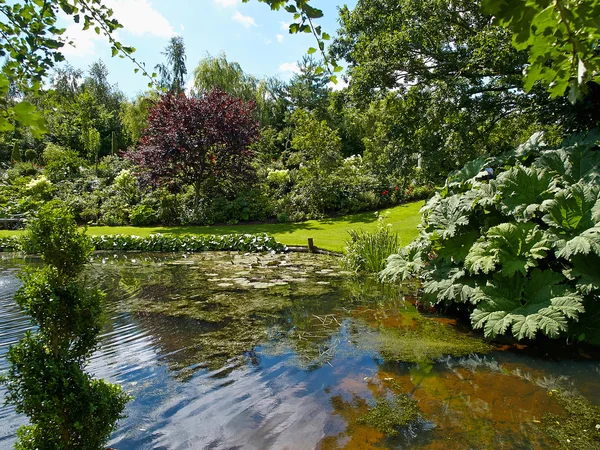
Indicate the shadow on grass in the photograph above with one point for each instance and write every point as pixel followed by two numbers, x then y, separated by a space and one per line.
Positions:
pixel 236 229
pixel 368 217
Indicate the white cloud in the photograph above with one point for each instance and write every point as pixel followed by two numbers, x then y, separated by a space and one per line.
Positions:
pixel 138 17
pixel 280 38
pixel 84 42
pixel 246 21
pixel 289 68
pixel 285 26
pixel 225 3
pixel 182 27
pixel 268 41
pixel 341 84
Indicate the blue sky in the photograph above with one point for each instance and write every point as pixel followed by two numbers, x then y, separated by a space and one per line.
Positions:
pixel 249 33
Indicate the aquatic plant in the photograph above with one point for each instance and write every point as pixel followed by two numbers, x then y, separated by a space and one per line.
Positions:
pixel 188 243
pixel 10 243
pixel 521 249
pixel 367 251
pixel 579 427
pixel 390 416
pixel 171 243
pixel 67 408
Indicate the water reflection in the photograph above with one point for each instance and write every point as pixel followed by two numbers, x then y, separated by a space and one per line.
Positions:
pixel 229 350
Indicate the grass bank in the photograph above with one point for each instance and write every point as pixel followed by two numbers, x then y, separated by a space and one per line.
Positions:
pixel 329 234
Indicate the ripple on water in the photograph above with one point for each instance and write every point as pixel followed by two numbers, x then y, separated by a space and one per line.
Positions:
pixel 291 365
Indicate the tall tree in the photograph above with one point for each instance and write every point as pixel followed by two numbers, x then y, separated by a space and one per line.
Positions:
pixel 308 88
pixel 450 55
pixel 200 141
pixel 216 72
pixel 172 74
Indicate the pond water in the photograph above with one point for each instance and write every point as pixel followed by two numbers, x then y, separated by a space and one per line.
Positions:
pixel 225 350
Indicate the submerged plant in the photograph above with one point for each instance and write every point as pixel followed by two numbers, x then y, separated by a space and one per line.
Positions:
pixel 579 427
pixel 390 416
pixel 520 250
pixel 67 408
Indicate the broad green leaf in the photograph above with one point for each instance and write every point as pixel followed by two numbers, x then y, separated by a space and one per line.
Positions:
pixel 541 302
pixel 455 249
pixel 469 171
pixel 579 162
pixel 538 288
pixel 525 191
pixel 447 215
pixel 513 247
pixel 550 321
pixel 522 153
pixel 584 244
pixel 574 210
pixel 586 270
pixel 403 266
pixel 481 259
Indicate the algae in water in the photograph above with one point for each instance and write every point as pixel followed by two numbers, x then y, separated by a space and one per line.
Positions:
pixel 579 427
pixel 390 416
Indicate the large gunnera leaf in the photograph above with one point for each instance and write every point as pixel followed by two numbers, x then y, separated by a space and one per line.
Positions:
pixel 455 249
pixel 447 282
pixel 448 215
pixel 574 216
pixel 510 247
pixel 402 266
pixel 574 209
pixel 525 191
pixel 579 162
pixel 526 305
pixel 522 153
pixel 469 171
pixel 586 270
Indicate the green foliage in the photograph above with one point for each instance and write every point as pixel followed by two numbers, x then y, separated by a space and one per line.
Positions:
pixel 172 74
pixel 141 215
pixel 32 43
pixel 54 235
pixel 66 407
pixel 561 38
pixel 368 251
pixel 15 156
pixel 187 243
pixel 60 163
pixel 216 71
pixel 518 249
pixel 30 155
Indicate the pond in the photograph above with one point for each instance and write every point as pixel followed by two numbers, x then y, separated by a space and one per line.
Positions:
pixel 226 350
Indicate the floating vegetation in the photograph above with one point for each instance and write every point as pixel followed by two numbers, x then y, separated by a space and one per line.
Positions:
pixel 416 339
pixel 428 341
pixel 390 415
pixel 578 428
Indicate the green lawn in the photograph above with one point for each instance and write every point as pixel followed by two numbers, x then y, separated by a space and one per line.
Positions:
pixel 329 234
